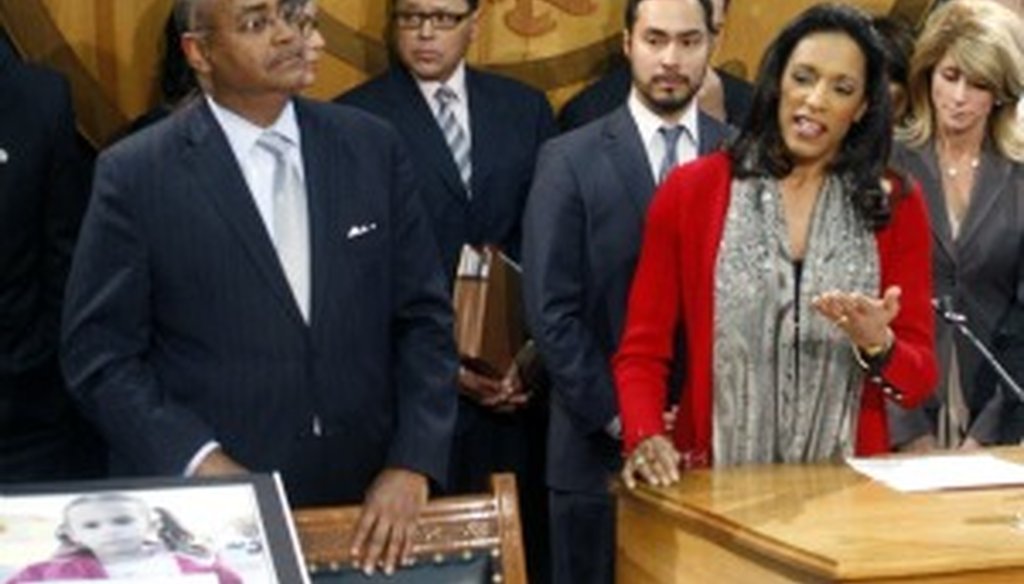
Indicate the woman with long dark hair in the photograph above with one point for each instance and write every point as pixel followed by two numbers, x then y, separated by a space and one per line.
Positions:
pixel 796 267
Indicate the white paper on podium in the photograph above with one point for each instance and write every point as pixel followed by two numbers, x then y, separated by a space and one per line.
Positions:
pixel 932 473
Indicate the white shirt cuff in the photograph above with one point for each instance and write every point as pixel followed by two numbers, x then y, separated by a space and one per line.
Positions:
pixel 200 456
pixel 614 428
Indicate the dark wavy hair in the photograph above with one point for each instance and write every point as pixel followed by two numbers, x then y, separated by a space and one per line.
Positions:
pixel 861 161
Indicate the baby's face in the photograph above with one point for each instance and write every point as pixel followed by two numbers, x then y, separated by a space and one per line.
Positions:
pixel 109 529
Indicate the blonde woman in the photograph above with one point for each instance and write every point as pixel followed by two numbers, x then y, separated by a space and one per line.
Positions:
pixel 964 145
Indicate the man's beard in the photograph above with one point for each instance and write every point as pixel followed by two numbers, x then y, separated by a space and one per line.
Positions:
pixel 669 105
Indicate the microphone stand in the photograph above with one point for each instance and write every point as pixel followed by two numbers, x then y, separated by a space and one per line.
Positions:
pixel 944 307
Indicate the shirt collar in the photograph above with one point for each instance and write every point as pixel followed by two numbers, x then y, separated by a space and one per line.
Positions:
pixel 243 134
pixel 456 82
pixel 648 123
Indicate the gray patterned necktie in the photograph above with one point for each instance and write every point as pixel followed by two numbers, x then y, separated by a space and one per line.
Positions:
pixel 291 218
pixel 670 134
pixel 454 133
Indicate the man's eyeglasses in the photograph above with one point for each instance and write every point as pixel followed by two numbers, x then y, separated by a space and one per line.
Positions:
pixel 439 20
pixel 292 14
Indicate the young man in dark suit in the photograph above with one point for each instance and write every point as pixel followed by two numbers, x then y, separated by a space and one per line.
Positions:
pixel 582 235
pixel 256 288
pixel 44 187
pixel 474 192
pixel 723 95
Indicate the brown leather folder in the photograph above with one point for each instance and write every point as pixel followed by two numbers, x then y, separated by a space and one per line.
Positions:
pixel 488 310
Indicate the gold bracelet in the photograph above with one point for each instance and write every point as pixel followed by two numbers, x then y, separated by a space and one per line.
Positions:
pixel 873 351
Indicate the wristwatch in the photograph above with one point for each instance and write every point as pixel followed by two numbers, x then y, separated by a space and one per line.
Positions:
pixel 873 356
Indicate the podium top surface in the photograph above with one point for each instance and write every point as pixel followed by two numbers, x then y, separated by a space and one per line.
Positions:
pixel 832 522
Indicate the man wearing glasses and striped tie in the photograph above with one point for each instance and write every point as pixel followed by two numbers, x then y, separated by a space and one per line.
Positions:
pixel 474 138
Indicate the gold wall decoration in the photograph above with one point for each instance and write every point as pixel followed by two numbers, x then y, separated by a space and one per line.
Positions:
pixel 110 49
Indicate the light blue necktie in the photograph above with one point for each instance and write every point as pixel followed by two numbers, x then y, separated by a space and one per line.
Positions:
pixel 291 218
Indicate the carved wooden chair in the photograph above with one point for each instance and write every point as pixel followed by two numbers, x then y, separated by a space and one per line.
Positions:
pixel 471 538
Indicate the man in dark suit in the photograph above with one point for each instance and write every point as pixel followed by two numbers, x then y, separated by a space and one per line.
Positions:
pixel 503 124
pixel 256 288
pixel 44 187
pixel 582 234
pixel 723 95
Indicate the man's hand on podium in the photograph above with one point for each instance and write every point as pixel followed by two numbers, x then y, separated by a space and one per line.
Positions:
pixel 655 460
pixel 387 523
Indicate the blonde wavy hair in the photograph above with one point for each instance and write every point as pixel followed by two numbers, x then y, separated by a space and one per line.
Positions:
pixel 986 40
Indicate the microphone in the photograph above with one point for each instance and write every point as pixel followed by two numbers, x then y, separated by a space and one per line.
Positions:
pixel 945 308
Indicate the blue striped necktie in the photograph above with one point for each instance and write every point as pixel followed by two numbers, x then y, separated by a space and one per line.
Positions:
pixel 670 134
pixel 454 133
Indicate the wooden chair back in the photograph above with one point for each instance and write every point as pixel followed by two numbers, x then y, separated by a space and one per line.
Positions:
pixel 450 529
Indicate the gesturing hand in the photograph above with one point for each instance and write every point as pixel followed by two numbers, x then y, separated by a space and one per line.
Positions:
pixel 386 525
pixel 655 460
pixel 864 319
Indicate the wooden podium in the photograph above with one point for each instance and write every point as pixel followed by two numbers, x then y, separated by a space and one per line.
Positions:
pixel 817 524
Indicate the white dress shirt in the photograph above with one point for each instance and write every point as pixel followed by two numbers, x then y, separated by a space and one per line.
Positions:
pixel 648 123
pixel 257 163
pixel 460 106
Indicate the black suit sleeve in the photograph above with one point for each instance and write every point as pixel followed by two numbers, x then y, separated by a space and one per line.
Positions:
pixel 554 276
pixel 108 329
pixel 426 365
pixel 66 196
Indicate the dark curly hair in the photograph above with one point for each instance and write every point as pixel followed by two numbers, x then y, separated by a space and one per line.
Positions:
pixel 760 149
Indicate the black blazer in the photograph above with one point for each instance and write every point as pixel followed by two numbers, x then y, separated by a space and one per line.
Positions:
pixel 982 270
pixel 180 327
pixel 508 123
pixel 44 187
pixel 583 230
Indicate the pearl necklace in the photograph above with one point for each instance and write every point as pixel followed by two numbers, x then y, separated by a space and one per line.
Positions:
pixel 953 171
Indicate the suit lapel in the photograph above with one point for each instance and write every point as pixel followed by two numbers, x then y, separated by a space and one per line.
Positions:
pixel 482 154
pixel 712 134
pixel 926 170
pixel 992 178
pixel 628 155
pixel 420 129
pixel 320 173
pixel 219 177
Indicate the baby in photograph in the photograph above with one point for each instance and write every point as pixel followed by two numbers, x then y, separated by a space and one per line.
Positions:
pixel 117 536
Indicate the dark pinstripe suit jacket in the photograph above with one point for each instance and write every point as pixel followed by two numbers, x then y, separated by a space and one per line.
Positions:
pixel 180 327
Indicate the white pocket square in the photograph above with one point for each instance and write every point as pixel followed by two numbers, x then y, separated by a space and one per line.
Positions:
pixel 360 230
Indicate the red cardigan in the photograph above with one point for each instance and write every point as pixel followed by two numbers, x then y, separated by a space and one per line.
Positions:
pixel 674 283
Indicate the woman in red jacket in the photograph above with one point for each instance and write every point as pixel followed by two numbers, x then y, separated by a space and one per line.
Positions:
pixel 796 268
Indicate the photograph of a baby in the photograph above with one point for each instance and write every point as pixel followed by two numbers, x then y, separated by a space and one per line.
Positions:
pixel 134 537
